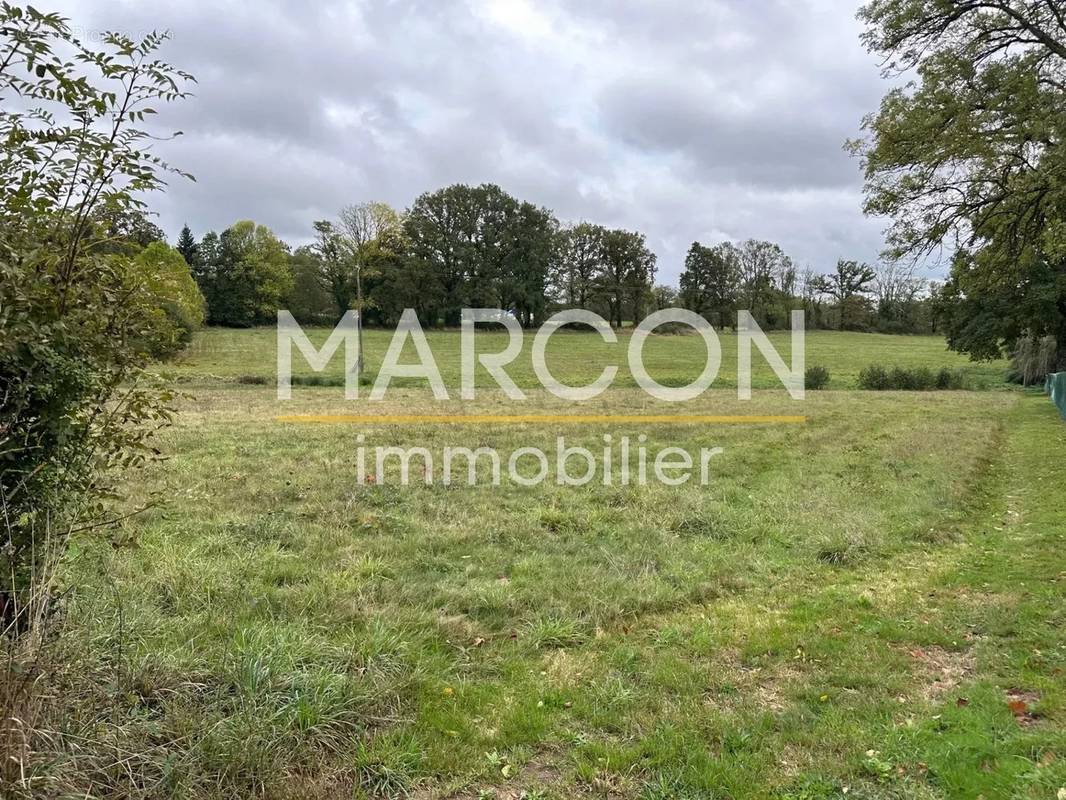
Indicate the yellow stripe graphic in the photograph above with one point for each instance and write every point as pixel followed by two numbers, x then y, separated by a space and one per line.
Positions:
pixel 524 419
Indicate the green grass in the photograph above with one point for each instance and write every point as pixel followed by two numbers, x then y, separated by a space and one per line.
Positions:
pixel 849 606
pixel 578 358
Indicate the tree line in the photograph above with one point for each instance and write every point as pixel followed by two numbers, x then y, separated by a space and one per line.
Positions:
pixel 759 277
pixel 458 247
pixel 478 246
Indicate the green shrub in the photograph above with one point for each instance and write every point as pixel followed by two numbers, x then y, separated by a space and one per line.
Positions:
pixel 914 379
pixel 173 304
pixel 911 380
pixel 816 378
pixel 923 379
pixel 874 377
pixel 949 379
pixel 317 379
pixel 675 329
pixel 79 316
pixel 314 379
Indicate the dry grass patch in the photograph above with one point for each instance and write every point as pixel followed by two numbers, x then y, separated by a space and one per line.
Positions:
pixel 940 671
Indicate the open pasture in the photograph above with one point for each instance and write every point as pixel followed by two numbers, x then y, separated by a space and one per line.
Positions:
pixel 847 605
pixel 220 355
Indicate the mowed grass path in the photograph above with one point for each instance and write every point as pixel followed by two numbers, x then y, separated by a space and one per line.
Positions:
pixel 850 607
pixel 579 357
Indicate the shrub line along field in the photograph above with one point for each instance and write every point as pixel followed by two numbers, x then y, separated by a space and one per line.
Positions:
pixel 870 603
pixel 579 357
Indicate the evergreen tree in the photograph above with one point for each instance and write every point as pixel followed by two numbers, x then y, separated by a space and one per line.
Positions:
pixel 188 247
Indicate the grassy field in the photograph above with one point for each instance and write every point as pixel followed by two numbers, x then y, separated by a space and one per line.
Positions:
pixel 870 604
pixel 574 357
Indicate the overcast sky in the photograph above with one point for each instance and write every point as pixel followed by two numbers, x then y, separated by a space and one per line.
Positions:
pixel 684 119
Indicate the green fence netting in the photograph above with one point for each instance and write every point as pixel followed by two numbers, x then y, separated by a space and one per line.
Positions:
pixel 1056 389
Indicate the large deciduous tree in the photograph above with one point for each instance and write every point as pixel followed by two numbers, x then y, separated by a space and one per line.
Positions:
pixel 579 260
pixel 336 267
pixel 969 155
pixel 372 237
pixel 245 275
pixel 124 229
pixel 845 285
pixel 477 246
pixel 896 289
pixel 177 307
pixel 309 302
pixel 626 276
pixel 763 267
pixel 710 281
pixel 442 227
pixel 528 249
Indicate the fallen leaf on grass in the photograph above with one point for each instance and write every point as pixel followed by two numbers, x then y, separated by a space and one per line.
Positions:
pixel 1020 703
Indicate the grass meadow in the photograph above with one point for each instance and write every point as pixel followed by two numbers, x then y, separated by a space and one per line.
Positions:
pixel 221 355
pixel 869 604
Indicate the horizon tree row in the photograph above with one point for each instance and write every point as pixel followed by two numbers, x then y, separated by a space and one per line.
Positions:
pixel 759 277
pixel 477 246
pixel 457 247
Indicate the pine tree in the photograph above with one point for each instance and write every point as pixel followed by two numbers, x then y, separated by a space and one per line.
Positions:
pixel 188 247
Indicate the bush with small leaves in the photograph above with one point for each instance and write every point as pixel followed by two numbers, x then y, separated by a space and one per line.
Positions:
pixel 80 316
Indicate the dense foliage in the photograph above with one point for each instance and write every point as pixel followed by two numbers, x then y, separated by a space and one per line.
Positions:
pixel 463 246
pixel 172 299
pixel 244 274
pixel 82 308
pixel 759 277
pixel 913 379
pixel 969 156
pixel 456 247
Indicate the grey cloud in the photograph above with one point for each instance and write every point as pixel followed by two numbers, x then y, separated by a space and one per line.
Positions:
pixel 778 145
pixel 683 120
